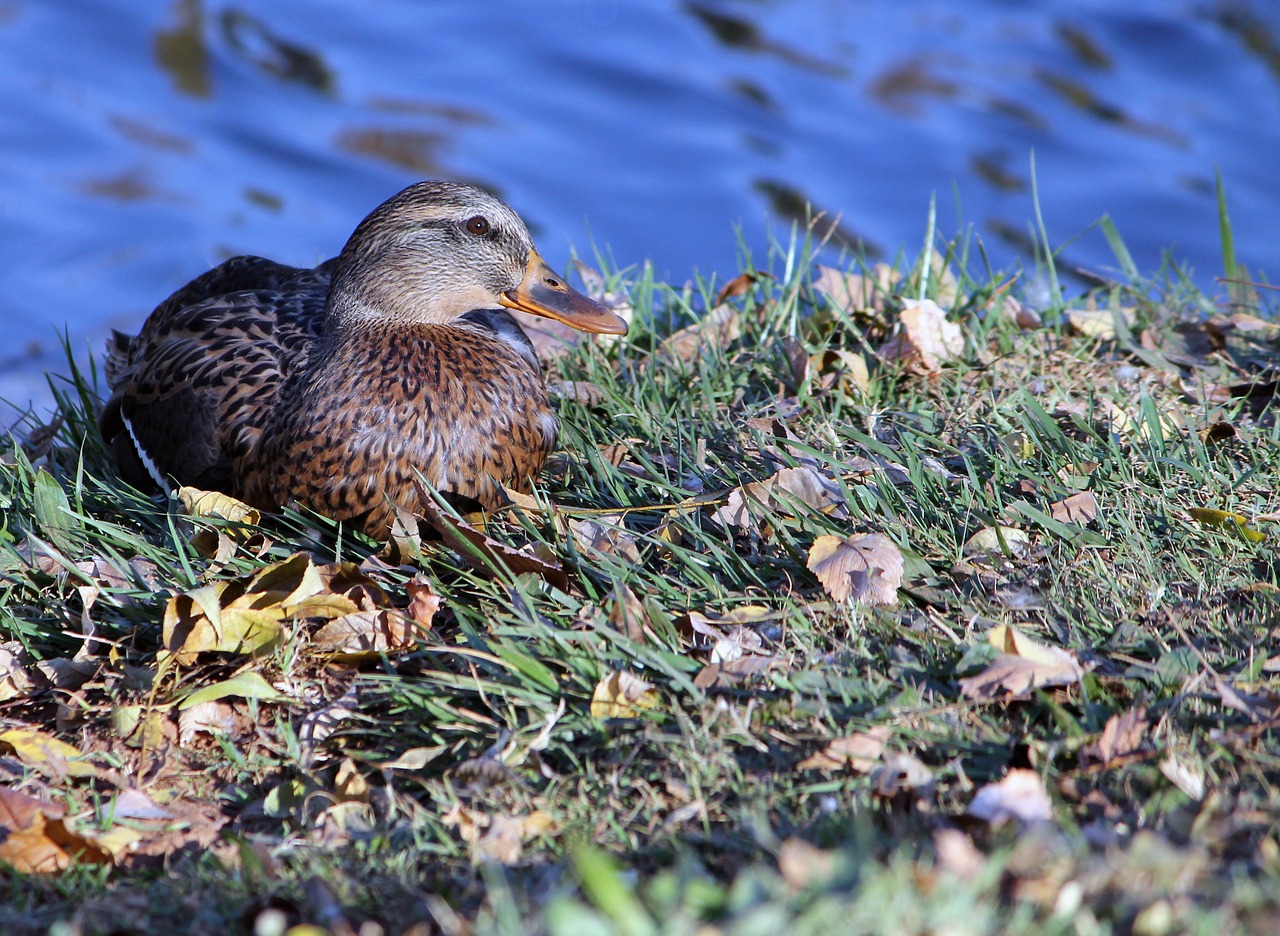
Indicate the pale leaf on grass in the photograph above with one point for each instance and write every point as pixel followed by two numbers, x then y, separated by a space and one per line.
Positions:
pixel 735 672
pixel 622 695
pixel 423 601
pixel 365 635
pixel 803 865
pixel 1186 776
pixel 504 840
pixel 718 329
pixel 957 854
pixel 1100 323
pixel 482 552
pixel 16 671
pixel 927 340
pixel 859 752
pixel 217 719
pixel 865 568
pixel 605 536
pixel 782 492
pixel 901 773
pixel 1022 666
pixel 1020 795
pixel 857 292
pixel 1226 519
pixel 997 542
pixel 1121 736
pixel 1079 508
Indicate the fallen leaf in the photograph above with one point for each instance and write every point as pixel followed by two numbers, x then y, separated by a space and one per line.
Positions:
pixel 859 752
pixel 203 504
pixel 217 719
pixel 365 635
pixel 735 672
pixel 1121 736
pixel 718 329
pixel 1019 795
pixel 855 292
pixel 781 493
pixel 865 568
pixel 901 772
pixel 803 865
pixel 36 839
pixel 503 841
pixel 926 340
pixel 1022 666
pixel 583 392
pixel 605 536
pixel 16 679
pixel 1100 323
pixel 1078 508
pixel 483 553
pixel 1228 520
pixel 1185 776
pixel 621 694
pixel 957 854
pixel 997 542
pixel 423 601
pixel 47 754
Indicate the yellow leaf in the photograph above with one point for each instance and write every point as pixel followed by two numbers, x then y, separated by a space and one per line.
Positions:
pixel 622 695
pixel 47 754
pixel 1225 518
pixel 200 503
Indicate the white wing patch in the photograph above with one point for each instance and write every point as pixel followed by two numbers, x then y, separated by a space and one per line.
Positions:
pixel 145 458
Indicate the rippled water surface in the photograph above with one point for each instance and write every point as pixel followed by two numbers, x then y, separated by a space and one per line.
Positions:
pixel 145 142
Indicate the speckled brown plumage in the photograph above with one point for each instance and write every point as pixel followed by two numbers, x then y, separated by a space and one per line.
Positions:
pixel 333 388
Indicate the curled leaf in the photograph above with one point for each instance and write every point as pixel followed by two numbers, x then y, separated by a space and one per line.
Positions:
pixel 865 568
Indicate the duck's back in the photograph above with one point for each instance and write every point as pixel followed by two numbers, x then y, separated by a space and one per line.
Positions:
pixel 193 391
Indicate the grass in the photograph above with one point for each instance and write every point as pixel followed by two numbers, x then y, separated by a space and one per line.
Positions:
pixel 465 785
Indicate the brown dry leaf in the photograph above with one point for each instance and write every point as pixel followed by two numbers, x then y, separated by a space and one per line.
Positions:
pixel 802 865
pixel 423 601
pixel 1020 795
pixel 780 493
pixel 366 635
pixel 719 328
pixel 735 672
pixel 957 854
pixel 215 718
pixel 1220 431
pixel 740 285
pixel 35 838
pixel 1023 665
pixel 865 568
pixel 927 340
pixel 482 552
pixel 1078 508
pixel 627 613
pixel 605 536
pixel 859 752
pixel 470 823
pixel 583 392
pixel 1121 736
pixel 902 773
pixel 45 753
pixel 16 679
pixel 854 292
pixel 622 695
pixel 503 841
pixel 845 369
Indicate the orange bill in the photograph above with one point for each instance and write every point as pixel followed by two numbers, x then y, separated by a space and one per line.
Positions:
pixel 543 292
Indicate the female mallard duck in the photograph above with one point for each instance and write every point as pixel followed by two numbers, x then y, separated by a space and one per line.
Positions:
pixel 334 388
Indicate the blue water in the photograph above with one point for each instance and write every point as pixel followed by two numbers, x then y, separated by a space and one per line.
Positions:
pixel 142 143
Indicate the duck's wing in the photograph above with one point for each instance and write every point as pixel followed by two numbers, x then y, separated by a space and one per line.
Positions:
pixel 194 389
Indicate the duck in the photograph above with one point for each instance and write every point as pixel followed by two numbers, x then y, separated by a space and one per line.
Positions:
pixel 333 388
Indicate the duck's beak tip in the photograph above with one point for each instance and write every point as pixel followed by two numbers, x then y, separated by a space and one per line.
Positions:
pixel 544 292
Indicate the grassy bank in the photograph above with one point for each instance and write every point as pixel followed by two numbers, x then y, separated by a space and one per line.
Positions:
pixel 678 690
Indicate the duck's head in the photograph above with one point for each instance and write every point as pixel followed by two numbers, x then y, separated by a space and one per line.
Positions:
pixel 439 250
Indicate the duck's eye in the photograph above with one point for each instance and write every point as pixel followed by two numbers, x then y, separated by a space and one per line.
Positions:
pixel 479 225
